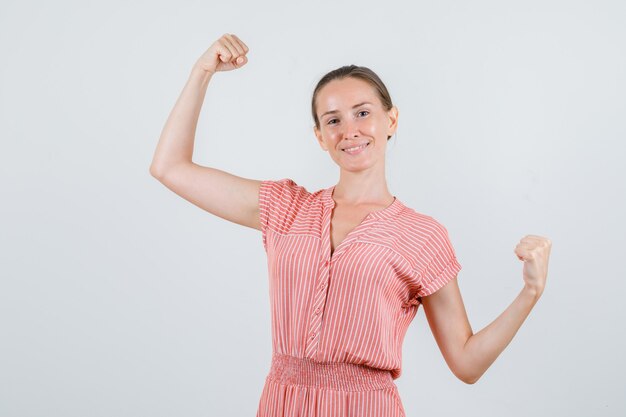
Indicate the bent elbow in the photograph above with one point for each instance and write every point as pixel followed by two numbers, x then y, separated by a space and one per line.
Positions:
pixel 470 381
pixel 155 171
pixel 159 172
pixel 467 378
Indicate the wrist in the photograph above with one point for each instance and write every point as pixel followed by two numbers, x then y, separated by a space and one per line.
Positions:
pixel 201 74
pixel 532 291
pixel 197 69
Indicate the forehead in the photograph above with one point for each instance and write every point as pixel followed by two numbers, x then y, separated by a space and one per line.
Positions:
pixel 344 93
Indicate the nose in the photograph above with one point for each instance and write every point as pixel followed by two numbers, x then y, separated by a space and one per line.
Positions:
pixel 351 129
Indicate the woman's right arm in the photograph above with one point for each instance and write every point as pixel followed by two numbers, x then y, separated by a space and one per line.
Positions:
pixel 225 195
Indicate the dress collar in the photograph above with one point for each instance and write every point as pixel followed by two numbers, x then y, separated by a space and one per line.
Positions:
pixel 391 210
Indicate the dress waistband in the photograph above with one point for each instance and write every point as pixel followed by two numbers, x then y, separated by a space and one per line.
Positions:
pixel 342 376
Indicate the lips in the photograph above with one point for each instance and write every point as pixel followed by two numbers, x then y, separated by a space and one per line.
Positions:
pixel 355 147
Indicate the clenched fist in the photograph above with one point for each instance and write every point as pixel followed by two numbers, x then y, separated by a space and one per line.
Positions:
pixel 535 252
pixel 225 54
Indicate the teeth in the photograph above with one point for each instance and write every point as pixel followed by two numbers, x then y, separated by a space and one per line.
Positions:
pixel 356 147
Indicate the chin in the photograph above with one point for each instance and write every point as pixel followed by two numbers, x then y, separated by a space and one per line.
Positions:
pixel 356 168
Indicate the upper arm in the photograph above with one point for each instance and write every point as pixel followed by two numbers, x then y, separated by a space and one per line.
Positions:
pixel 225 195
pixel 440 295
pixel 449 324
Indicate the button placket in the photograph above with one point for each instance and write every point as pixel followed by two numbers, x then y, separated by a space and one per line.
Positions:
pixel 319 302
pixel 321 297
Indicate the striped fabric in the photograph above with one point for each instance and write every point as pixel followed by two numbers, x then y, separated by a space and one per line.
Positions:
pixel 339 319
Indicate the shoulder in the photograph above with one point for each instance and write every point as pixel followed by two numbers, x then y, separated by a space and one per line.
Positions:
pixel 420 234
pixel 285 189
pixel 281 203
pixel 417 225
pixel 285 198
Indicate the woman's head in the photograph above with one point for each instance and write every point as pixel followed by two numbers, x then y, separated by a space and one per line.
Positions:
pixel 352 109
pixel 354 71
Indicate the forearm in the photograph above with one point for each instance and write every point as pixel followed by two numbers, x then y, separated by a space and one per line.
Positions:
pixel 482 348
pixel 177 138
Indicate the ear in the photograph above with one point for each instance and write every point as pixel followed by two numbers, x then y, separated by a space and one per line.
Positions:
pixel 393 121
pixel 318 135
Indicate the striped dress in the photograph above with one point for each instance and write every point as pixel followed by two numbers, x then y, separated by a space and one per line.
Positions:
pixel 338 319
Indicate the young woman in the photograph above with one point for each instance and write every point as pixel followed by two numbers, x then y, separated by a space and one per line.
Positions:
pixel 349 265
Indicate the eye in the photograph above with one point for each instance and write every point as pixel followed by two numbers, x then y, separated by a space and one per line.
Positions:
pixel 362 111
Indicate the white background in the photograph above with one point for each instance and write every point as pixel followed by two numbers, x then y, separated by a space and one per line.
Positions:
pixel 119 298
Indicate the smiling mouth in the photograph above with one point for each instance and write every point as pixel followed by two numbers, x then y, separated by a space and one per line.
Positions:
pixel 356 149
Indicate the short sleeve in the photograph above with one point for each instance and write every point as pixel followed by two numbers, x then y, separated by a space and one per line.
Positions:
pixel 279 201
pixel 439 263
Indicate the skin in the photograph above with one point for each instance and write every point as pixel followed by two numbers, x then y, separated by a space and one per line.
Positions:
pixel 362 185
pixel 362 176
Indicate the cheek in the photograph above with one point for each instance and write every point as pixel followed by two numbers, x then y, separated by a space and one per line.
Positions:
pixel 334 136
pixel 372 125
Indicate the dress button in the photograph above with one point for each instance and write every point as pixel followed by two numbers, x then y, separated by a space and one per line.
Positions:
pixel 326 263
pixel 317 311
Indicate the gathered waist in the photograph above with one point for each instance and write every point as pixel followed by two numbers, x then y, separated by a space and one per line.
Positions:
pixel 342 376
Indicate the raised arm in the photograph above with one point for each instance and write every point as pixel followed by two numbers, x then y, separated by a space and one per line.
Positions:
pixel 469 355
pixel 225 195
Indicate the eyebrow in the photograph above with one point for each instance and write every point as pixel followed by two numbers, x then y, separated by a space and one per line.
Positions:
pixel 337 111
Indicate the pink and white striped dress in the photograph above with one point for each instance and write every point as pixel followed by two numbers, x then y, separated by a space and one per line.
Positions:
pixel 339 320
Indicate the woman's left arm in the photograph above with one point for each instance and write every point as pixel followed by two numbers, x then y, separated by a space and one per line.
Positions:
pixel 469 355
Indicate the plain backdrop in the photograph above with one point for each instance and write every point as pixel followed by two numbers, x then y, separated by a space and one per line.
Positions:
pixel 119 298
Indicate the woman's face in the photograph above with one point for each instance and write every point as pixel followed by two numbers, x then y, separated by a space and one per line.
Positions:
pixel 351 115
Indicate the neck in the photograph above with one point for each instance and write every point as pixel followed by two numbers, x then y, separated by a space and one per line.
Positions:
pixel 355 188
